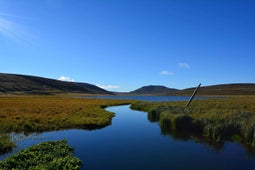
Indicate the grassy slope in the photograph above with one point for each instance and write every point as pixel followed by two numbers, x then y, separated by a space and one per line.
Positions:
pixel 222 89
pixel 209 120
pixel 153 90
pixel 12 83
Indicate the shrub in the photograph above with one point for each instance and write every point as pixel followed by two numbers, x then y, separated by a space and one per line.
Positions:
pixel 52 155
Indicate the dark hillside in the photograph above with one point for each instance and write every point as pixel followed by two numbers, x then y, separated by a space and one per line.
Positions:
pixel 222 89
pixel 153 90
pixel 13 84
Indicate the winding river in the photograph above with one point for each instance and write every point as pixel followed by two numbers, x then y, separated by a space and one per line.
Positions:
pixel 133 142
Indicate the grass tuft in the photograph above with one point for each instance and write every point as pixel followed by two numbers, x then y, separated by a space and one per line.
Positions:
pixel 6 144
pixel 213 120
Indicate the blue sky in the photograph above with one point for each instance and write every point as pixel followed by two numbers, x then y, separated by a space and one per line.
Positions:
pixel 125 44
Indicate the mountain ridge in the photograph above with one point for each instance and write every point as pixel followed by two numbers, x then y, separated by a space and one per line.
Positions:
pixel 27 84
pixel 222 89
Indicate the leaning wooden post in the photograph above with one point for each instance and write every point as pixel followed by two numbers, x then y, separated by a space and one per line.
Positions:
pixel 193 95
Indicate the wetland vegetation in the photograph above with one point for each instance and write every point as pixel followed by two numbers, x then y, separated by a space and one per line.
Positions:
pixel 39 114
pixel 47 155
pixel 212 121
pixel 6 144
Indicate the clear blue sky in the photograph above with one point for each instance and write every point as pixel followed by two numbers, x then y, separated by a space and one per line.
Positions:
pixel 126 44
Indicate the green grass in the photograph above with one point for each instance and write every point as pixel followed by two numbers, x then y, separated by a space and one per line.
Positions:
pixel 39 114
pixel 6 144
pixel 52 155
pixel 214 120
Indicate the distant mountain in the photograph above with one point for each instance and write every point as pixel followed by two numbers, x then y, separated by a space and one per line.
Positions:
pixel 24 84
pixel 153 90
pixel 221 89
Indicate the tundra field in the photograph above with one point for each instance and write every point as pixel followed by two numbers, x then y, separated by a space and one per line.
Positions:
pixel 210 120
pixel 39 114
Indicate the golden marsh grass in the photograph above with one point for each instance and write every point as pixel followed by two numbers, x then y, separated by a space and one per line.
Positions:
pixel 37 114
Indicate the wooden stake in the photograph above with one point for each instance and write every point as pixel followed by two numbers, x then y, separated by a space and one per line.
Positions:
pixel 193 95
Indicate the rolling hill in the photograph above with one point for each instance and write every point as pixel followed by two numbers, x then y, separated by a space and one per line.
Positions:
pixel 24 84
pixel 153 90
pixel 222 89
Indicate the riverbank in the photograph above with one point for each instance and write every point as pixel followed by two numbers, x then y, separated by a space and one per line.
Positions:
pixel 40 114
pixel 213 120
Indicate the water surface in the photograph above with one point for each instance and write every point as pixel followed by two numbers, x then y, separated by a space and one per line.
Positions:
pixel 151 98
pixel 143 98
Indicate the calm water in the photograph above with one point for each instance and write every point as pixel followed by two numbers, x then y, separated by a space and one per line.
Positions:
pixel 133 142
pixel 144 98
pixel 150 98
